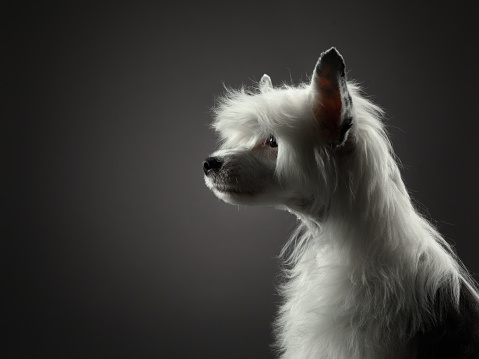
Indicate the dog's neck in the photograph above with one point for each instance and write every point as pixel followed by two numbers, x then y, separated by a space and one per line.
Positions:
pixel 367 214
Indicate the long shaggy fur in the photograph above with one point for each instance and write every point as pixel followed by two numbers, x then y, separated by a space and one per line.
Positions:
pixel 365 275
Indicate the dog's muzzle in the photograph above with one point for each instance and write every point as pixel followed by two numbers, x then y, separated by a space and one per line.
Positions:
pixel 212 164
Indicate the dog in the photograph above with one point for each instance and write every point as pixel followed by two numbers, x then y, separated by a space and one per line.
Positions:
pixel 365 274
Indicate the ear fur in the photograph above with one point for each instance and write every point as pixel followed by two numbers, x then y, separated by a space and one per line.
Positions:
pixel 265 84
pixel 332 102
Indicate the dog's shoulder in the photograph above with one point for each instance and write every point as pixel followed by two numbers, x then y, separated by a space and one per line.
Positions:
pixel 456 332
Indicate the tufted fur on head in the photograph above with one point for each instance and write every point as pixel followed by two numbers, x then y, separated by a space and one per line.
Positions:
pixel 366 276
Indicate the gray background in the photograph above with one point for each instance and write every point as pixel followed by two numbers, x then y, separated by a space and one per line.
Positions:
pixel 112 246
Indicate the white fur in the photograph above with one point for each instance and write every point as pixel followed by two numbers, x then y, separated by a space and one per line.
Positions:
pixel 362 268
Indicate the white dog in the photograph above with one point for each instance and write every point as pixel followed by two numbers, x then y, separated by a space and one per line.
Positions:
pixel 366 275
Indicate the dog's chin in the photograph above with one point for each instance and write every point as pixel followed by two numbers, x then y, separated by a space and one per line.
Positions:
pixel 235 195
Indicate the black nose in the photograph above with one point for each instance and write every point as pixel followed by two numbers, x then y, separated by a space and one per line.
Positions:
pixel 211 164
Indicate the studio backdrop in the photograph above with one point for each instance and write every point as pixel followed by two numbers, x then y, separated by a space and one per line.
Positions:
pixel 111 244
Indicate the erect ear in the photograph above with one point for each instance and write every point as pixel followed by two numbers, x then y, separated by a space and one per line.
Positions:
pixel 265 83
pixel 332 102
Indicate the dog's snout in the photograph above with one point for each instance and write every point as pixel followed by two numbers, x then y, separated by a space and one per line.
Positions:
pixel 211 164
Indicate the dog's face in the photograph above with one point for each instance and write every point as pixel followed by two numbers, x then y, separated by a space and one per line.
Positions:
pixel 257 131
pixel 277 143
pixel 246 174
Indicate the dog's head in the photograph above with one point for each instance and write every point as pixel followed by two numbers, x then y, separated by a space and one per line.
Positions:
pixel 280 146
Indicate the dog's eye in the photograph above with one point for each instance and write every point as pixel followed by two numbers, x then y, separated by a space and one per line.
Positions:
pixel 272 141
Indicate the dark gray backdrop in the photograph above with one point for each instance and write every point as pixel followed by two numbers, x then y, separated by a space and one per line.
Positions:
pixel 111 244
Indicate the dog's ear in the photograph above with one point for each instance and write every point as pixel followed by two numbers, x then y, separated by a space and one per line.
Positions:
pixel 332 101
pixel 265 83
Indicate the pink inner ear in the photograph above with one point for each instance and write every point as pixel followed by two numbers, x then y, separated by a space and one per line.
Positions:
pixel 327 108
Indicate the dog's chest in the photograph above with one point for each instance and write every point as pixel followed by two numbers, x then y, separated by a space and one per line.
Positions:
pixel 323 312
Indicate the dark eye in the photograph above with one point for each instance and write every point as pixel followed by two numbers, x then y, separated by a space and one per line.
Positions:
pixel 272 141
